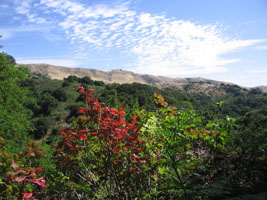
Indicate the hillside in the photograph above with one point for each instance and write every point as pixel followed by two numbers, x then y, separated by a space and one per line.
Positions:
pixel 191 85
pixel 116 76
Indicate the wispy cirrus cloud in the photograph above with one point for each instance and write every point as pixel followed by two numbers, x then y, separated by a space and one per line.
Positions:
pixel 8 32
pixel 261 47
pixel 51 61
pixel 248 80
pixel 158 44
pixel 257 71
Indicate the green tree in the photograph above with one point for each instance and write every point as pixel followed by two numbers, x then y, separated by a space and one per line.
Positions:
pixel 48 104
pixel 72 78
pixel 251 145
pixel 86 80
pixel 99 83
pixel 14 117
pixel 60 95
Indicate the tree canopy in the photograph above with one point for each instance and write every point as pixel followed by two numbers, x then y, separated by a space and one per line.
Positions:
pixel 14 117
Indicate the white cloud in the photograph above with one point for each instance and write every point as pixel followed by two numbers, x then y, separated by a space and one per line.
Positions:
pixel 57 62
pixel 262 47
pixel 37 20
pixel 160 45
pixel 23 6
pixel 26 8
pixel 50 36
pixel 11 31
pixel 247 80
pixel 258 71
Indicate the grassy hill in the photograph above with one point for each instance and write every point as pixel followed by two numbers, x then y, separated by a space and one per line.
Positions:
pixel 191 85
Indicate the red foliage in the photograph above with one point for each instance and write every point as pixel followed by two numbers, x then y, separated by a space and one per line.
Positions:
pixel 39 181
pixel 107 124
pixel 27 195
pixel 23 176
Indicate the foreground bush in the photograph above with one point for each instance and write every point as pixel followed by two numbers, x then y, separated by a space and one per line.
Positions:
pixel 18 176
pixel 159 154
pixel 169 153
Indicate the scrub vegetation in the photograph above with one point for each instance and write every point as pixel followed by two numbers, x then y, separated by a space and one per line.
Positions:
pixel 79 138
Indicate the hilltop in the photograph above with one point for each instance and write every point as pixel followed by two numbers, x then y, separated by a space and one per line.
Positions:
pixel 122 76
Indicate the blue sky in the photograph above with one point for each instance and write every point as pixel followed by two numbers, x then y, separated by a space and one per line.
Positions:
pixel 221 40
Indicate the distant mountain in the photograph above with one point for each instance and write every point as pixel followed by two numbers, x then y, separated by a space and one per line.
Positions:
pixel 121 76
